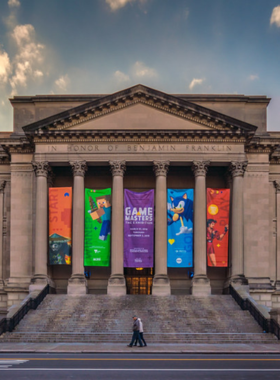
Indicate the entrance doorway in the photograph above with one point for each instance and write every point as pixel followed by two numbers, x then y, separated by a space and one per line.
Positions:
pixel 139 280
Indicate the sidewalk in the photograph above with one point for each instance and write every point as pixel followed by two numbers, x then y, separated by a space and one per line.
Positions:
pixel 76 348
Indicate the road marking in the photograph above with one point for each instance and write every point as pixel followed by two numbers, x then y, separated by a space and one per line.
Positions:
pixel 144 369
pixel 12 361
pixel 139 359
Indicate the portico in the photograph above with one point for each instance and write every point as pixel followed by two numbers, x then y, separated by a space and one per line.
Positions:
pixel 136 139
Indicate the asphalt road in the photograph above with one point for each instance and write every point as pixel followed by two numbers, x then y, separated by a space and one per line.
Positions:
pixel 138 366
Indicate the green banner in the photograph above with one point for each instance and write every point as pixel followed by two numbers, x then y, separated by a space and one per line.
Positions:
pixel 97 227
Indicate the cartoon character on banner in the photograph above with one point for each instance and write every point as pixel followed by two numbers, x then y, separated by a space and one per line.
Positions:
pixel 212 234
pixel 102 213
pixel 59 249
pixel 182 207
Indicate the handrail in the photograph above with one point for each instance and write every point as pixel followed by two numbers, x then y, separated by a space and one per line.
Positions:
pixel 8 324
pixel 268 325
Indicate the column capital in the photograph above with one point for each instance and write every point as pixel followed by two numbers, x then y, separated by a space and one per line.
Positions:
pixel 41 168
pixel 237 168
pixel 118 168
pixel 200 168
pixel 2 186
pixel 79 168
pixel 277 186
pixel 161 168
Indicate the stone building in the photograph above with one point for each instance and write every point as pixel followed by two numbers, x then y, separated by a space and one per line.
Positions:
pixel 140 139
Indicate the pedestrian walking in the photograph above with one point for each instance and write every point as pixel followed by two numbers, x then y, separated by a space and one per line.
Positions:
pixel 135 329
pixel 141 332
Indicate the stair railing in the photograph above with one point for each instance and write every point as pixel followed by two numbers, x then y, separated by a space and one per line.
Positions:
pixel 8 324
pixel 268 325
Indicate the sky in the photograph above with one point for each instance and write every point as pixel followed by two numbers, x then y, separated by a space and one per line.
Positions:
pixel 175 46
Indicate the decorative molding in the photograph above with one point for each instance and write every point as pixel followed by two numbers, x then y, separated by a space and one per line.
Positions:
pixel 2 186
pixel 200 168
pixel 41 168
pixel 161 168
pixel 118 168
pixel 79 168
pixel 277 186
pixel 237 168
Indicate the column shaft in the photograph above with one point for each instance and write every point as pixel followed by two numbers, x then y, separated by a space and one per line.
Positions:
pixel 200 283
pixel 237 170
pixel 277 186
pixel 116 283
pixel 161 283
pixel 77 284
pixel 2 187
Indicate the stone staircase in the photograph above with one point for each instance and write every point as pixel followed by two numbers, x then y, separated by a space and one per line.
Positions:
pixel 173 319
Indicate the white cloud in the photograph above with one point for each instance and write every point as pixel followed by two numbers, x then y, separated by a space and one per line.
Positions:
pixel 253 77
pixel 5 67
pixel 121 77
pixel 141 71
pixel 13 3
pixel 117 4
pixel 195 82
pixel 29 58
pixel 38 74
pixel 275 16
pixel 62 83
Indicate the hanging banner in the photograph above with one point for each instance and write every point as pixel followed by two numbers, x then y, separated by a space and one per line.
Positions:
pixel 60 225
pixel 179 228
pixel 138 229
pixel 97 227
pixel 218 201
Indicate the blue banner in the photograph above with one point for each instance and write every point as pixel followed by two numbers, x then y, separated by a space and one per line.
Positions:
pixel 180 228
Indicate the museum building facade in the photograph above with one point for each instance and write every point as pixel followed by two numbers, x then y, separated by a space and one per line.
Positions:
pixel 140 139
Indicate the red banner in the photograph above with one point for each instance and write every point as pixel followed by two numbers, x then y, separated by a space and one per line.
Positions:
pixel 60 225
pixel 218 202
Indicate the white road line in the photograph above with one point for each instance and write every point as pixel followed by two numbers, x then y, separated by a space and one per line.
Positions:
pixel 13 362
pixel 145 369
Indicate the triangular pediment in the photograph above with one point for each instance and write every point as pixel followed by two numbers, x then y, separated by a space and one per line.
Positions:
pixel 139 108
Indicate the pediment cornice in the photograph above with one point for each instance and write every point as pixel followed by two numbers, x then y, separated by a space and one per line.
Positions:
pixel 149 97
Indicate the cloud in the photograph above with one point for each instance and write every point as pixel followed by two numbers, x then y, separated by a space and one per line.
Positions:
pixel 62 83
pixel 253 77
pixel 139 70
pixel 29 57
pixel 13 3
pixel 121 77
pixel 275 16
pixel 5 67
pixel 118 4
pixel 195 82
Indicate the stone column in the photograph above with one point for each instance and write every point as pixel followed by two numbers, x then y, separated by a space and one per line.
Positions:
pixel 161 283
pixel 40 278
pixel 2 187
pixel 200 283
pixel 277 187
pixel 237 169
pixel 116 283
pixel 77 284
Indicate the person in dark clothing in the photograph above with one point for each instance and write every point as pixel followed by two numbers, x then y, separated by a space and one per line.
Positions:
pixel 135 329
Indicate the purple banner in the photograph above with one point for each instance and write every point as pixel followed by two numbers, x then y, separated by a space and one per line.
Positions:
pixel 138 229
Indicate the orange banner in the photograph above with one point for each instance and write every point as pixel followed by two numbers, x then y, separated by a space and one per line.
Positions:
pixel 218 202
pixel 60 225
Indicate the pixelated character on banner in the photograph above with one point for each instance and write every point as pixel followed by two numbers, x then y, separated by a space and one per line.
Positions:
pixel 182 207
pixel 95 212
pixel 104 204
pixel 59 249
pixel 212 234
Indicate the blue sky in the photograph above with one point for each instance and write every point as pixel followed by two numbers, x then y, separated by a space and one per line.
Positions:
pixel 176 46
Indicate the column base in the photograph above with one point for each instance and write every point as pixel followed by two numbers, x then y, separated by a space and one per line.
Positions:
pixel 161 285
pixel 77 285
pixel 39 281
pixel 277 285
pixel 201 286
pixel 116 285
pixel 236 280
